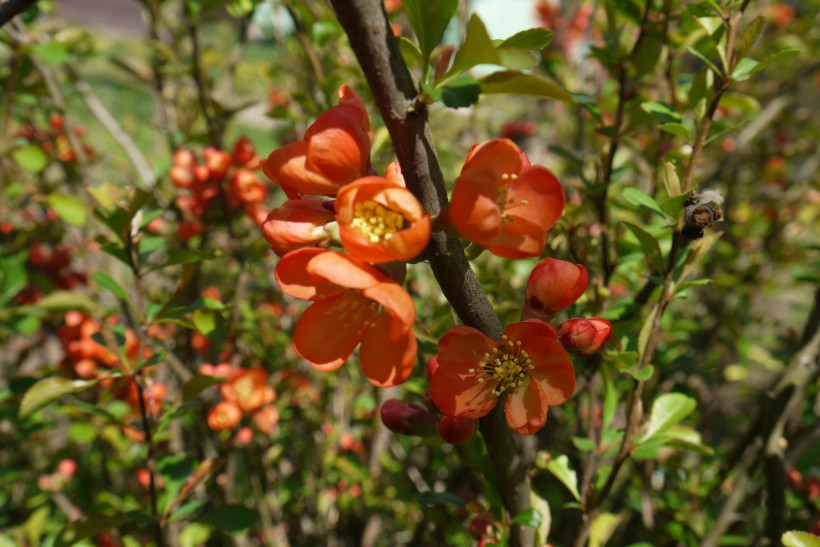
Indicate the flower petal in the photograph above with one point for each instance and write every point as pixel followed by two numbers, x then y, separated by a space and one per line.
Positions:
pixel 473 210
pixel 500 156
pixel 387 360
pixel 537 196
pixel 396 302
pixel 344 270
pixel 526 409
pixel 338 146
pixel 287 167
pixel 517 238
pixel 553 369
pixel 321 339
pixel 295 280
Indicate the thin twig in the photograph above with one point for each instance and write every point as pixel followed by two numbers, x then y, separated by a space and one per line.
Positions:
pixel 198 74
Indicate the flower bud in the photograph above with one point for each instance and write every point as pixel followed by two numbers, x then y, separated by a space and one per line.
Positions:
pixel 247 187
pixel 552 286
pixel 407 418
pixel 297 223
pixel 184 158
pixel 584 336
pixel 217 161
pixel 244 153
pixel 225 415
pixel 456 429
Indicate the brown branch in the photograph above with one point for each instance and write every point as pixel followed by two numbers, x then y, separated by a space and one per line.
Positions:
pixel 389 79
pixel 198 74
pixel 12 8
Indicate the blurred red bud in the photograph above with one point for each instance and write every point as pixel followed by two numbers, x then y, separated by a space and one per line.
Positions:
pixel 456 429
pixel 584 336
pixel 407 418
pixel 552 286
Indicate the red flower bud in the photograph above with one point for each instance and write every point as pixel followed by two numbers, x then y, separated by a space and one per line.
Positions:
pixel 407 418
pixel 584 336
pixel 247 187
pixel 297 223
pixel 552 286
pixel 245 154
pixel 184 158
pixel 217 161
pixel 182 177
pixel 456 429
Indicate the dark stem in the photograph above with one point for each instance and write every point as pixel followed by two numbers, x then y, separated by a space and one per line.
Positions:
pixel 203 93
pixel 392 86
pixel 152 466
pixel 11 8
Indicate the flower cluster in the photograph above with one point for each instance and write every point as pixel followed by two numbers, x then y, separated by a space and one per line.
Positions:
pixel 229 176
pixel 377 220
pixel 55 142
pixel 243 391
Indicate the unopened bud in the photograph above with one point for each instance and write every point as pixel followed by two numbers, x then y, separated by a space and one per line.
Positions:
pixel 456 429
pixel 584 336
pixel 408 418
pixel 552 286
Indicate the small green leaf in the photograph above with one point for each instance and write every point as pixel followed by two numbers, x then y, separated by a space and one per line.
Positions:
pixel 232 519
pixel 661 111
pixel 107 282
pixel 744 69
pixel 64 301
pixel 644 373
pixel 429 19
pixel 197 384
pixel 52 53
pixel 749 36
pixel 477 49
pixel 30 158
pixel 602 529
pixel 650 246
pixel 460 92
pixel 667 410
pixel 194 535
pixel 519 59
pixel 13 277
pixel 204 320
pixel 799 539
pixel 642 199
pixel 68 208
pixel 410 51
pixel 646 329
pixel 700 87
pixel 677 129
pixel 533 39
pixel 542 531
pixel 529 518
pixel 441 498
pixel 48 390
pixel 775 58
pixel 512 81
pixel 86 527
pixel 702 56
pixel 562 471
pixel 671 182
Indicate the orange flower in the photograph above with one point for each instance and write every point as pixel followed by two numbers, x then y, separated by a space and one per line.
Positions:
pixel 379 221
pixel 552 286
pixel 353 303
pixel 529 365
pixel 503 203
pixel 249 389
pixel 225 415
pixel 335 151
pixel 298 223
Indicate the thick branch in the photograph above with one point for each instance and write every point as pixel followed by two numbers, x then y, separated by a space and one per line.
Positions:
pixel 12 8
pixel 395 93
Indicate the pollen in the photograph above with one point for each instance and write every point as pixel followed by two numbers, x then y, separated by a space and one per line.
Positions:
pixel 376 222
pixel 507 366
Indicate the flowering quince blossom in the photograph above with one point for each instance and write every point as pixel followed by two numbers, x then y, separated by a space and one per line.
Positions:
pixel 584 336
pixel 249 389
pixel 380 221
pixel 503 203
pixel 298 223
pixel 552 286
pixel 353 303
pixel 334 152
pixel 529 365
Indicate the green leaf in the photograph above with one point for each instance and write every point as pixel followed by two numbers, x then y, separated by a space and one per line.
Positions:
pixel 441 498
pixel 700 87
pixel 644 373
pixel 661 111
pixel 204 321
pixel 671 183
pixel 410 51
pixel 188 256
pixel 48 390
pixel 116 218
pixel 429 19
pixel 460 92
pixel 530 518
pixel 13 277
pixel 513 81
pixel 667 410
pixel 107 282
pixel 519 59
pixel 774 58
pixel 744 69
pixel 175 470
pixel 677 129
pixel 702 56
pixel 52 53
pixel 30 158
pixel 533 39
pixel 642 199
pixel 197 384
pixel 602 529
pixel 646 329
pixel 749 36
pixel 562 471
pixel 542 531
pixel 674 206
pixel 799 539
pixel 68 208
pixel 477 49
pixel 194 535
pixel 87 527
pixel 64 301
pixel 232 519
pixel 650 246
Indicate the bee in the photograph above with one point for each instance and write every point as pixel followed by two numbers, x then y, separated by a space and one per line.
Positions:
pixel 701 210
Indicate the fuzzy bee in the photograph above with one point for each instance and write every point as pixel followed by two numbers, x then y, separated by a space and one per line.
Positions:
pixel 701 210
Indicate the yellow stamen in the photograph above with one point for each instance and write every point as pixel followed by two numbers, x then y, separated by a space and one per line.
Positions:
pixel 376 222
